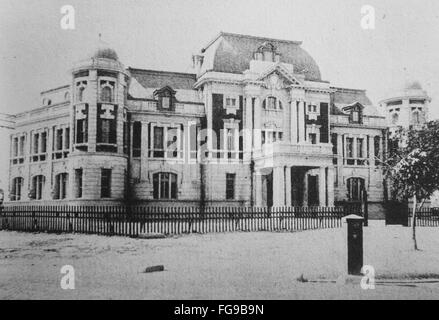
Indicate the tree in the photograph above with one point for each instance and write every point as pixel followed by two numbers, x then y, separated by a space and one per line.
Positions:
pixel 413 166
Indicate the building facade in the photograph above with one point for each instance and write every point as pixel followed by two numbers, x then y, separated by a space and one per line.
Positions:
pixel 253 125
pixel 407 108
pixel 6 126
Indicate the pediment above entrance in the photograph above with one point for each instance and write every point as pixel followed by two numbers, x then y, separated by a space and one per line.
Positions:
pixel 278 78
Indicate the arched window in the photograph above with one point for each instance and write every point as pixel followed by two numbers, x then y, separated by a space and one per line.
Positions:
pixel 272 103
pixel 81 91
pixel 37 187
pixel 60 188
pixel 416 117
pixel 17 186
pixel 165 185
pixel 106 94
pixel 67 96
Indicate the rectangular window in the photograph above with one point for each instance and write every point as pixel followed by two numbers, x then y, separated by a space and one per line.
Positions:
pixel 78 183
pixel 360 143
pixel 105 131
pixel 230 102
pixel 377 153
pixel 193 141
pixel 334 147
pixel 107 128
pixel 334 143
pixel 21 147
pixel 158 145
pixel 15 148
pixel 61 143
pixel 67 139
pixel 230 142
pixel 230 186
pixel 126 137
pixel 313 138
pixel 165 102
pixel 36 143
pixel 43 142
pixel 105 183
pixel 355 116
pixel 172 144
pixel 59 140
pixel 349 148
pixel 137 138
pixel 81 130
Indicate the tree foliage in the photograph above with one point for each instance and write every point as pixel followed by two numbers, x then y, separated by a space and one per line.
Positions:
pixel 413 165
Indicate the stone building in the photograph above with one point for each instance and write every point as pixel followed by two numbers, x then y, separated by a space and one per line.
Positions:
pixel 407 108
pixel 254 124
pixel 6 125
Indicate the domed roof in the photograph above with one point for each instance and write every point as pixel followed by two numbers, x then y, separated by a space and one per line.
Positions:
pixel 232 53
pixel 104 50
pixel 412 85
pixel 106 53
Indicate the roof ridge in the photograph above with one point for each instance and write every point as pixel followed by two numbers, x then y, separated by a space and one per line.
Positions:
pixel 222 33
pixel 348 89
pixel 162 72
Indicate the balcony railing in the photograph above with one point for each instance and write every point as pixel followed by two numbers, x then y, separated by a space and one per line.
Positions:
pixel 367 121
pixel 301 149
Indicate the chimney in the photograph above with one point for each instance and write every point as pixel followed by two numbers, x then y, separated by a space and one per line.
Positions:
pixel 197 63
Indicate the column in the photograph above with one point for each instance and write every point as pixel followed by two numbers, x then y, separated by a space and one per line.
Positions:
pixel 186 137
pixel 248 128
pixel 288 186
pixel 322 186
pixel 72 124
pixel 330 182
pixel 345 149
pixel 208 106
pixel 278 187
pixel 236 141
pixel 258 189
pixel 354 148
pixel 371 151
pixel 119 129
pixel 364 146
pixel 47 193
pixel 258 122
pixel 301 122
pixel 380 154
pixel 90 97
pixel 305 189
pixel 293 121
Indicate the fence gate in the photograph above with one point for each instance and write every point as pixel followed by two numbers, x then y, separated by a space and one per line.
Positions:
pixel 397 213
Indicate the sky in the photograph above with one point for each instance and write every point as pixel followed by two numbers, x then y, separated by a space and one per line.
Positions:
pixel 36 54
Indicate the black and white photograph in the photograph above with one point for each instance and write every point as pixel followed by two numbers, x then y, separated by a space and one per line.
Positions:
pixel 219 150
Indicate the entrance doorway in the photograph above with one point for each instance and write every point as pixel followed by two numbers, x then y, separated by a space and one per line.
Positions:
pixel 313 191
pixel 355 189
pixel 267 189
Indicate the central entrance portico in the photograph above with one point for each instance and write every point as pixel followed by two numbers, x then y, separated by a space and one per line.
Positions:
pixel 295 179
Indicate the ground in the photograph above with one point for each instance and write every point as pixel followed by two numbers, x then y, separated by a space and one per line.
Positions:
pixel 242 265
